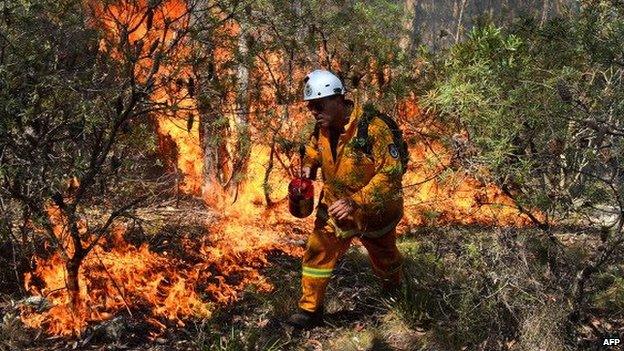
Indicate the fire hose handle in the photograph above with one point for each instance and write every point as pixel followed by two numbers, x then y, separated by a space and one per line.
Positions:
pixel 303 171
pixel 306 172
pixel 302 150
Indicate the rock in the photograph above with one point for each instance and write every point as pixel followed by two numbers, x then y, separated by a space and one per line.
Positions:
pixel 161 341
pixel 115 328
pixel 39 303
pixel 111 330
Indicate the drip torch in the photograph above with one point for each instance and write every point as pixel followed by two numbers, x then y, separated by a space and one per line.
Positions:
pixel 301 192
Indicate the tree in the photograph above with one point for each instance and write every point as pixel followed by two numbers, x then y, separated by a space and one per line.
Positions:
pixel 78 114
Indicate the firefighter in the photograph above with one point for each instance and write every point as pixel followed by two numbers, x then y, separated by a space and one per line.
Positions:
pixel 361 165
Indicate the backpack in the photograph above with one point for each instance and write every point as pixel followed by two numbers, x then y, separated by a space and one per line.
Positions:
pixel 363 142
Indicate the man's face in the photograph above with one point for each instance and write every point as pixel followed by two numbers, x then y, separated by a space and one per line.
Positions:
pixel 326 111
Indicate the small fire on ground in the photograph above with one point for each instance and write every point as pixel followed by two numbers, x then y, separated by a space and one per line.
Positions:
pixel 171 286
pixel 163 287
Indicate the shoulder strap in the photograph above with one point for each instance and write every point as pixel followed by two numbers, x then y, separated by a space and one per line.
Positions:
pixel 362 140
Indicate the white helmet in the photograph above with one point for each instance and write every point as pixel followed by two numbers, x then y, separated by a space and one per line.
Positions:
pixel 321 83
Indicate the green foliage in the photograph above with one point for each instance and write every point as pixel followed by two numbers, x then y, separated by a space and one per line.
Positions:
pixel 538 101
pixel 478 91
pixel 59 95
pixel 238 340
pixel 543 107
pixel 611 297
pixel 357 40
pixel 42 83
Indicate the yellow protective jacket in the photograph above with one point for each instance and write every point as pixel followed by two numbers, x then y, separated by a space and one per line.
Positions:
pixel 372 180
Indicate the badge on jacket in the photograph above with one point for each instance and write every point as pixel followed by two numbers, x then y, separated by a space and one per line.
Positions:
pixel 394 151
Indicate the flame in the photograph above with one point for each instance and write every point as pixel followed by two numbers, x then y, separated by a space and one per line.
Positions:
pixel 153 29
pixel 111 281
pixel 118 277
pixel 436 194
pixel 168 287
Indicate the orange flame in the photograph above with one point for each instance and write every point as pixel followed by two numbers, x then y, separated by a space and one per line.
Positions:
pixel 112 281
pixel 118 277
pixel 150 30
pixel 434 196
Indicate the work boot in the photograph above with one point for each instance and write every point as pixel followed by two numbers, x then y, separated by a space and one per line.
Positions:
pixel 305 320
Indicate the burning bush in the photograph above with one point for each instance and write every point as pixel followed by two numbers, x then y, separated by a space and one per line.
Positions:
pixel 81 102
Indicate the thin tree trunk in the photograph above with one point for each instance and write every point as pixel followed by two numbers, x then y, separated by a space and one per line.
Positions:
pixel 460 19
pixel 267 174
pixel 73 283
pixel 241 115
pixel 545 9
pixel 406 41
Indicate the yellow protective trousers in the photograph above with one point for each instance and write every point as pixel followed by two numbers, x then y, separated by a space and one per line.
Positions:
pixel 324 249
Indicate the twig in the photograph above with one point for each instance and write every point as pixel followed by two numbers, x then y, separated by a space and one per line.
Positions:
pixel 123 298
pixel 17 277
pixel 111 218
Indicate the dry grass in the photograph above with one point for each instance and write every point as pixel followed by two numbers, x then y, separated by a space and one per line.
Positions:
pixel 13 336
pixel 464 289
pixel 542 329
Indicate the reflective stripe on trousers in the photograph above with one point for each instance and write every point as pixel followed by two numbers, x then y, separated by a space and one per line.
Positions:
pixel 324 249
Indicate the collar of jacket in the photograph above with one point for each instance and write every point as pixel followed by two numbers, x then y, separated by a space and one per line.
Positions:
pixel 351 126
